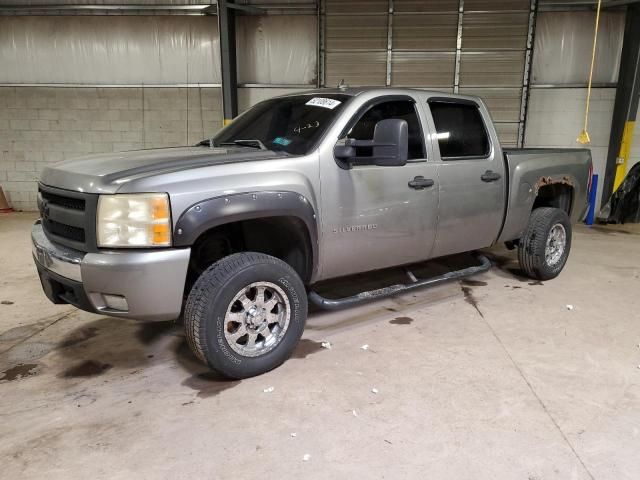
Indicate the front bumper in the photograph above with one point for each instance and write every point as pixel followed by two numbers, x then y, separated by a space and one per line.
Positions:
pixel 151 282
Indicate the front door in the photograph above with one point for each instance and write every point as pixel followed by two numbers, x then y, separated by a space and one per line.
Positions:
pixel 375 217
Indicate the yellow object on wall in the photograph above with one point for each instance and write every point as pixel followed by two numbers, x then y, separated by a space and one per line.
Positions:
pixel 583 137
pixel 625 152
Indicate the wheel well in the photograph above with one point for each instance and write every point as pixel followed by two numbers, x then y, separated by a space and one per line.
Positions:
pixel 556 195
pixel 285 237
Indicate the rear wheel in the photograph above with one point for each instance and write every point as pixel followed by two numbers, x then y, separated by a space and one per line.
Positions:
pixel 544 248
pixel 245 314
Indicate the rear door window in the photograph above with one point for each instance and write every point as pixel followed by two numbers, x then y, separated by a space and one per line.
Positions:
pixel 460 130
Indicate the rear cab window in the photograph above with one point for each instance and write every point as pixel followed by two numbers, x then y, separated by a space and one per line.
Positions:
pixel 460 130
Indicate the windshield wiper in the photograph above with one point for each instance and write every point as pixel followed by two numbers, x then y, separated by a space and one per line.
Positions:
pixel 247 143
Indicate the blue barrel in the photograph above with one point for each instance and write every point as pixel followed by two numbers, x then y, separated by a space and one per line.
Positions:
pixel 592 200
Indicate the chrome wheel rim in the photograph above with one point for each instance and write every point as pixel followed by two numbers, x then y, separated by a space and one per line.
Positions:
pixel 257 319
pixel 556 244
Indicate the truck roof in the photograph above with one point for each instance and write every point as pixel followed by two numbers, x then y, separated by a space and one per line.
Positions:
pixel 353 91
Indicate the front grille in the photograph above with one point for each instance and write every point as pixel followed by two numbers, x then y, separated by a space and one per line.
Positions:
pixel 66 202
pixel 67 231
pixel 68 217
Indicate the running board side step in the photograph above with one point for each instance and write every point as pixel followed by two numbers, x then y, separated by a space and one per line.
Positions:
pixel 337 304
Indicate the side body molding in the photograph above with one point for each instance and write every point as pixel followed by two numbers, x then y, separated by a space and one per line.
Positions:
pixel 217 211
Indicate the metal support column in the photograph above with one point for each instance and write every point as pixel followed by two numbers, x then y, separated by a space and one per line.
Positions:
pixel 227 24
pixel 625 106
pixel 526 78
pixel 321 43
pixel 389 41
pixel 456 73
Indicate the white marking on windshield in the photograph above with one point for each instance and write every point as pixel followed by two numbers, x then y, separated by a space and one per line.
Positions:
pixel 329 103
pixel 299 128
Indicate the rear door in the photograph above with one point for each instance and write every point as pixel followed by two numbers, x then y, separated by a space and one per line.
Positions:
pixel 378 216
pixel 471 176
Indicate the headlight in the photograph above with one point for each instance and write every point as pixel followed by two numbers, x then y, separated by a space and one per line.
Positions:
pixel 135 220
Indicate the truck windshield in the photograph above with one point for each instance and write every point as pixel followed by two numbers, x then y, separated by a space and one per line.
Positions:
pixel 289 124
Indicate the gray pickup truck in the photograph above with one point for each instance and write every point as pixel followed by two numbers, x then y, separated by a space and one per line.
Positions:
pixel 233 233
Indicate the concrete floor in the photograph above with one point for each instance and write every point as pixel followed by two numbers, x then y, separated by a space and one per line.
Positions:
pixel 489 379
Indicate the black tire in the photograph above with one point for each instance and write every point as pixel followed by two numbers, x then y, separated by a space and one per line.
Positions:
pixel 532 245
pixel 211 296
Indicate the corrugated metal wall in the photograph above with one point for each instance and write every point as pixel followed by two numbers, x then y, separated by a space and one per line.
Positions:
pixel 277 49
pixel 477 47
pixel 123 50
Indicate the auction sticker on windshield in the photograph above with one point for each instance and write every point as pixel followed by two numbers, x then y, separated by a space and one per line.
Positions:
pixel 329 103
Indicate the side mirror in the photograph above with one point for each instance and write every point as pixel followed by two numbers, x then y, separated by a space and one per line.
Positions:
pixel 391 143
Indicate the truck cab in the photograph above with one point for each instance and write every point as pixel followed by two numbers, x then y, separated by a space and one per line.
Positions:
pixel 389 210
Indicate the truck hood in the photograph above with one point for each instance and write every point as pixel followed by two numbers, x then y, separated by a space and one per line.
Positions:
pixel 106 172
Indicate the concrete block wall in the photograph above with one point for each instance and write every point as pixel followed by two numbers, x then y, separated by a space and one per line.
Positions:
pixel 556 116
pixel 41 125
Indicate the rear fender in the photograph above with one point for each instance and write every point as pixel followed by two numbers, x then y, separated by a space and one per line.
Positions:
pixel 521 200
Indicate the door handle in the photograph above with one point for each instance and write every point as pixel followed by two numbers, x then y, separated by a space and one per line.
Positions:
pixel 490 176
pixel 420 183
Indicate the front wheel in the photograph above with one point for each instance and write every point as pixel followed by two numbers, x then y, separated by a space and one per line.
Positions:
pixel 245 314
pixel 544 248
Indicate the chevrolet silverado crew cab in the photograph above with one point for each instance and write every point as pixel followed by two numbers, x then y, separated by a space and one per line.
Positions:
pixel 233 233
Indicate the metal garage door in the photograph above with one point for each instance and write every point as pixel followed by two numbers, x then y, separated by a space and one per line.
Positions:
pixel 478 47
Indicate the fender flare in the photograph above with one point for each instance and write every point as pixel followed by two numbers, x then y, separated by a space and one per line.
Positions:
pixel 217 211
